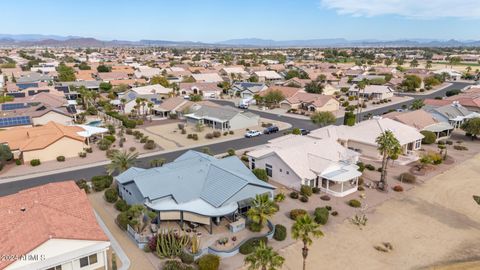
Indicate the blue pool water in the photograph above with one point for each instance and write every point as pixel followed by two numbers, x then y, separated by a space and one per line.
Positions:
pixel 95 123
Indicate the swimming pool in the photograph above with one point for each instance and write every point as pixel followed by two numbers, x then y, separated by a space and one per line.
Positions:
pixel 95 123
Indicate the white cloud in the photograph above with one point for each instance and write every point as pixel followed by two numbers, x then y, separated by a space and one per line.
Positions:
pixel 417 9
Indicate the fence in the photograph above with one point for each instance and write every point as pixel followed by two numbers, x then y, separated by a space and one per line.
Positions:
pixel 139 239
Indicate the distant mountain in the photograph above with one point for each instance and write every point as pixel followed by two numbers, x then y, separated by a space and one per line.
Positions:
pixel 74 41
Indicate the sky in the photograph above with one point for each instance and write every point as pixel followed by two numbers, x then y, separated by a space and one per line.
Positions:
pixel 218 20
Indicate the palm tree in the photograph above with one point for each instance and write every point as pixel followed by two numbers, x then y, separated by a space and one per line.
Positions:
pixel 121 161
pixel 157 162
pixel 262 208
pixel 361 87
pixel 304 229
pixel 389 146
pixel 264 257
pixel 123 101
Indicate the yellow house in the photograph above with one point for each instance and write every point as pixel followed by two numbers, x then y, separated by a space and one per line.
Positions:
pixel 44 142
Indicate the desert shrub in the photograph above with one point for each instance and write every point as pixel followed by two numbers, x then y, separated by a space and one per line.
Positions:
pixel 407 178
pixel 361 181
pixel 88 150
pixel 111 138
pixel 254 227
pixel 280 232
pixel 82 154
pixel 176 265
pixel 186 257
pixel 370 167
pixel 325 198
pixel 360 188
pixel 82 184
pixel 321 215
pixel 195 137
pixel 129 131
pixel 225 133
pixel 122 220
pixel 334 213
pixel 18 162
pixel 280 197
pixel 429 137
pixel 250 245
pixel 398 188
pixel 354 203
pixel 449 142
pixel 111 152
pixel 101 182
pixel 61 158
pixel 143 140
pixel 261 174
pixel 35 162
pixel 121 205
pixel 460 147
pixel 217 134
pixel 296 213
pixel 183 131
pixel 304 199
pixel 104 144
pixel 379 169
pixel 244 158
pixel 294 195
pixel 149 145
pixel 316 190
pixel 361 166
pixel 111 195
pixel 231 132
pixel 209 136
pixel 328 207
pixel 231 152
pixel 306 190
pixel 190 136
pixel 132 149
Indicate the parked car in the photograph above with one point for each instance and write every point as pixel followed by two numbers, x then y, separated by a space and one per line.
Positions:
pixel 270 129
pixel 243 106
pixel 304 131
pixel 252 133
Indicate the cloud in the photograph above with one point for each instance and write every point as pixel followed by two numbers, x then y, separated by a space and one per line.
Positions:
pixel 416 9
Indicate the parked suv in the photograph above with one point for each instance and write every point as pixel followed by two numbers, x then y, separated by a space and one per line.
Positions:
pixel 252 133
pixel 270 129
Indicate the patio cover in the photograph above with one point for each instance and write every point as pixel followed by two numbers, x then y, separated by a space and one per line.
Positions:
pixel 90 131
pixel 345 173
pixel 438 127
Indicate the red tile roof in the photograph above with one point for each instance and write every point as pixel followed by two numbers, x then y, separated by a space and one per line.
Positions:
pixel 55 210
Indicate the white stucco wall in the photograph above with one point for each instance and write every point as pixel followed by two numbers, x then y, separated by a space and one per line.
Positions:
pixel 64 147
pixel 281 172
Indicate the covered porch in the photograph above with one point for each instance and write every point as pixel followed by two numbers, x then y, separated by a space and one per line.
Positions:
pixel 340 182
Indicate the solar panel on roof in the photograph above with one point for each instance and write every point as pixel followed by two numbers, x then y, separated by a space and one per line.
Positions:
pixel 13 106
pixel 14 121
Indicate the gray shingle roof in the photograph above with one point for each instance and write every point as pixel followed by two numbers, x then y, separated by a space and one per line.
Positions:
pixel 195 175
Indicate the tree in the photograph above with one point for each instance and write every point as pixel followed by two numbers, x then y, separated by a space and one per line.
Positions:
pixel 417 104
pixel 84 66
pixel 389 147
pixel 65 73
pixel 104 68
pixel 296 74
pixel 105 86
pixel 454 60
pixel 273 97
pixel 388 62
pixel 157 162
pixel 262 208
pixel 472 127
pixel 314 87
pixel 261 174
pixel 428 64
pixel 5 154
pixel 411 82
pixel 323 118
pixel 414 63
pixel 253 79
pixel 304 229
pixel 121 161
pixel 349 119
pixel 264 257
pixel 160 80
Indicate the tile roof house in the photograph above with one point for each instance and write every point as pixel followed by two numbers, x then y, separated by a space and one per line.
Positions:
pixel 454 114
pixel 268 76
pixel 194 187
pixel 44 142
pixel 311 102
pixel 152 93
pixel 207 77
pixel 361 137
pixel 54 221
pixel 247 89
pixel 286 91
pixel 422 120
pixel 222 118
pixel 300 160
pixel 207 90
pixel 377 92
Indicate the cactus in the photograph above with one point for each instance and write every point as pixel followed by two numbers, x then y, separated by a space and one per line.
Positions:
pixel 195 244
pixel 170 244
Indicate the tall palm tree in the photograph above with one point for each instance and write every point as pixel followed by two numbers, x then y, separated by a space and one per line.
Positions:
pixel 264 257
pixel 304 229
pixel 157 162
pixel 388 146
pixel 361 87
pixel 262 208
pixel 121 161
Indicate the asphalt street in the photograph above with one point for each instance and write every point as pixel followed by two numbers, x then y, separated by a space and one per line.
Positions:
pixel 221 147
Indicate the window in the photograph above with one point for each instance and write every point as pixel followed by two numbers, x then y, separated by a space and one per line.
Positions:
pixel 268 169
pixel 418 144
pixel 288 172
pixel 281 170
pixel 253 164
pixel 58 267
pixel 89 260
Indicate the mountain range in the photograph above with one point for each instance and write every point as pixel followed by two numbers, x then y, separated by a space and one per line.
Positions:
pixel 26 40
